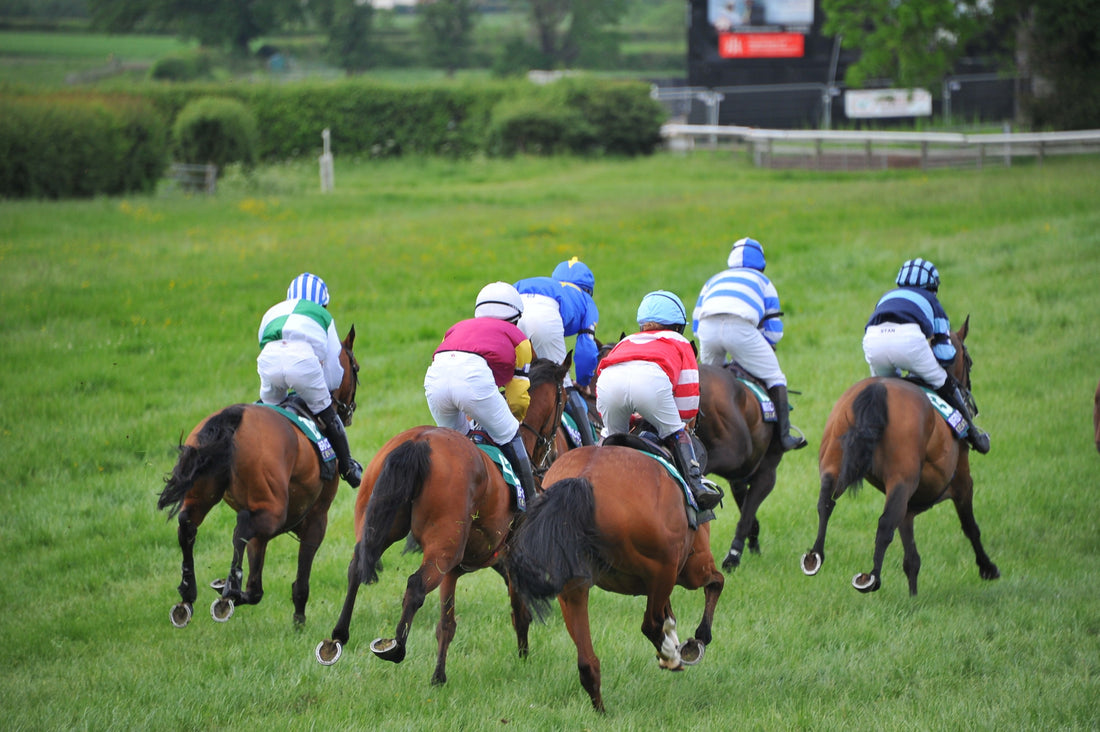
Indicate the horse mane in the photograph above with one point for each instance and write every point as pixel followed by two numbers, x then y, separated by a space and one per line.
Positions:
pixel 542 371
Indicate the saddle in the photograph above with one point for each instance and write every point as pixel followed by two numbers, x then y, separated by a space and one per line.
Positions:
pixel 758 388
pixel 948 412
pixel 295 410
pixel 494 453
pixel 647 441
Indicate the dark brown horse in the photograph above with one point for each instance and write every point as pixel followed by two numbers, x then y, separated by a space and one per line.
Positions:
pixel 266 470
pixel 741 447
pixel 612 517
pixel 437 485
pixel 885 430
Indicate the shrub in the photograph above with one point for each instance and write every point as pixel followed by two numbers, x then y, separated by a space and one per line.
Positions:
pixel 537 127
pixel 184 67
pixel 215 130
pixel 60 145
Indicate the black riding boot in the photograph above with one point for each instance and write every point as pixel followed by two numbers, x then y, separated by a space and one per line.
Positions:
pixel 578 410
pixel 706 495
pixel 778 393
pixel 517 456
pixel 350 470
pixel 952 394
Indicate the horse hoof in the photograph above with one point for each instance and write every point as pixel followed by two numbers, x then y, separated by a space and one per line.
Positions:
pixel 328 652
pixel 811 563
pixel 221 609
pixel 218 585
pixel 181 614
pixel 388 649
pixel 691 651
pixel 866 582
pixel 732 561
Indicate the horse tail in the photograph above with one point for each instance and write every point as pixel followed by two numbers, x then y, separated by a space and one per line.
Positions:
pixel 211 456
pixel 869 419
pixel 556 543
pixel 403 475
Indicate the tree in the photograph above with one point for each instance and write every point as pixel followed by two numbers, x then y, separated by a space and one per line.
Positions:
pixel 229 23
pixel 566 30
pixel 446 28
pixel 913 44
pixel 348 24
pixel 1057 54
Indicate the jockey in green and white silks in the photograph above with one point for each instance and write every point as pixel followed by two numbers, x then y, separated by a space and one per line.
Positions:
pixel 300 351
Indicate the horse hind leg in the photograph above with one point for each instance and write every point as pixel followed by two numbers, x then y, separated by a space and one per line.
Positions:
pixel 897 498
pixel 815 557
pixel 911 561
pixel 416 589
pixel 182 611
pixel 329 651
pixel 445 631
pixel 574 612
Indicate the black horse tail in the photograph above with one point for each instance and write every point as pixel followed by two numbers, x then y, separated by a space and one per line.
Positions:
pixel 403 475
pixel 869 419
pixel 211 456
pixel 556 543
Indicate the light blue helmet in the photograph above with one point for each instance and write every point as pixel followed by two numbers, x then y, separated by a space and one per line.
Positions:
pixel 576 272
pixel 749 253
pixel 919 273
pixel 663 307
pixel 310 287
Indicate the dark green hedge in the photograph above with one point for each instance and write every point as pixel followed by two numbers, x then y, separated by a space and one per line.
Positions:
pixel 71 145
pixel 215 130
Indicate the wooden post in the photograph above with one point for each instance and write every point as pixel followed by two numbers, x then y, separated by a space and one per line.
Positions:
pixel 326 164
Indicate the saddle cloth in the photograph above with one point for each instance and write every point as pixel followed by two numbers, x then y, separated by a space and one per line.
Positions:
pixel 951 416
pixel 309 428
pixel 648 444
pixel 497 456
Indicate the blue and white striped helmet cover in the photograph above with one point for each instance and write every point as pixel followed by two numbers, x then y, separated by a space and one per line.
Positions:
pixel 919 273
pixel 310 287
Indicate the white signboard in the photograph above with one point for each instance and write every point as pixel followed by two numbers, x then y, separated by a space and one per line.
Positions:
pixel 869 103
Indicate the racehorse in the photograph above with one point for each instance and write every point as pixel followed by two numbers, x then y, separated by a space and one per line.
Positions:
pixel 741 447
pixel 887 431
pixel 269 472
pixel 613 518
pixel 436 484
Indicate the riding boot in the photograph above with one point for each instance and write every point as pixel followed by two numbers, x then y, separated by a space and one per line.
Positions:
pixel 350 470
pixel 952 394
pixel 706 494
pixel 778 393
pixel 578 410
pixel 517 456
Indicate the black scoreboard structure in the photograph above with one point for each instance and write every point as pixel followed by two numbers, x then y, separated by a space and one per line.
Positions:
pixel 766 63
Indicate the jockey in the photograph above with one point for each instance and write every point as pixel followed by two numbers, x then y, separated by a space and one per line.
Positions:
pixel 909 331
pixel 738 313
pixel 477 360
pixel 654 373
pixel 556 307
pixel 300 350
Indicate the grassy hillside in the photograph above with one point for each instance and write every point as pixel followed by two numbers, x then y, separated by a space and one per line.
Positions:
pixel 125 321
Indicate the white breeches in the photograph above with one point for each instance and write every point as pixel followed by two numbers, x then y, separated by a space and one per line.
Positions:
pixel 890 347
pixel 286 365
pixel 459 387
pixel 743 341
pixel 636 386
pixel 541 323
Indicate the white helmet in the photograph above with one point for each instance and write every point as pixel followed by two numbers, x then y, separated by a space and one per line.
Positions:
pixel 499 300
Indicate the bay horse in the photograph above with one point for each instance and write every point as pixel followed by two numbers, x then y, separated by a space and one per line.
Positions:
pixel 613 518
pixel 435 484
pixel 886 431
pixel 268 471
pixel 740 446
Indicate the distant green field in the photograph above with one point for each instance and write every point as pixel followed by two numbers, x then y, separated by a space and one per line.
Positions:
pixel 126 320
pixel 48 59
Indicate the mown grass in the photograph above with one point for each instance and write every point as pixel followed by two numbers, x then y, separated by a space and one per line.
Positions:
pixel 127 320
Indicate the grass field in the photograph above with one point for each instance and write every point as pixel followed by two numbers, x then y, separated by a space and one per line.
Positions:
pixel 126 320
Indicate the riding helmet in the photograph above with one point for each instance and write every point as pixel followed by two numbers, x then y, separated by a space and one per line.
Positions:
pixel 576 272
pixel 662 307
pixel 747 252
pixel 919 273
pixel 310 287
pixel 499 300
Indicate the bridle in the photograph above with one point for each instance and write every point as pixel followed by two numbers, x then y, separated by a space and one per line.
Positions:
pixel 346 410
pixel 543 453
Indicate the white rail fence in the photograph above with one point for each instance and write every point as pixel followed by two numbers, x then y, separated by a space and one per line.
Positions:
pixel 856 150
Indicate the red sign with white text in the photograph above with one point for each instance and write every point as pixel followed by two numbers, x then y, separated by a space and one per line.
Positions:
pixel 761 45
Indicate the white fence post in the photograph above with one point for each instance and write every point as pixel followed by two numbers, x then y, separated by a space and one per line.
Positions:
pixel 326 164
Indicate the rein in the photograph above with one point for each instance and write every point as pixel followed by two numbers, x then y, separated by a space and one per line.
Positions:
pixel 544 437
